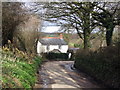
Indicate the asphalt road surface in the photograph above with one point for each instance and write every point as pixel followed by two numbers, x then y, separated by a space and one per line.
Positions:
pixel 60 74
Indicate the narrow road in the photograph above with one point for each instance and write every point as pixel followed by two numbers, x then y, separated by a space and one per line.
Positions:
pixel 59 74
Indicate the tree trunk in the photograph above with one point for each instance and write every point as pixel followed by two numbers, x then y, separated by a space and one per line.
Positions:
pixel 87 30
pixel 86 39
pixel 109 34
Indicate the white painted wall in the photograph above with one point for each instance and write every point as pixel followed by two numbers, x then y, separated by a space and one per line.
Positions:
pixel 43 48
pixel 52 47
pixel 39 47
pixel 64 48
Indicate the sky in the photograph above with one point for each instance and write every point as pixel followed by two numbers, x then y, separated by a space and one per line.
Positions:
pixel 47 26
pixel 50 29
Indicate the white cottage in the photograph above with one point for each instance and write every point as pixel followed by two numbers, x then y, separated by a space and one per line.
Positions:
pixel 49 44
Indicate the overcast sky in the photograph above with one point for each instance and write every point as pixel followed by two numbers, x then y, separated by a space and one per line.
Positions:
pixel 50 29
pixel 47 27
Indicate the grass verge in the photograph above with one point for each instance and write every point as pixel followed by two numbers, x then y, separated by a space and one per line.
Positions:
pixel 18 72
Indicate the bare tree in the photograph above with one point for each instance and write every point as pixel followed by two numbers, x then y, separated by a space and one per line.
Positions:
pixel 12 16
pixel 27 34
pixel 72 14
pixel 84 17
pixel 108 17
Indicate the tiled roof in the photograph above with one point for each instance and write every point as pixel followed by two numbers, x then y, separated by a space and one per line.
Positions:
pixel 52 41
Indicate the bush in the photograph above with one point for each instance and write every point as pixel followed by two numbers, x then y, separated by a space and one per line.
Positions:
pixel 18 72
pixel 55 56
pixel 78 45
pixel 103 64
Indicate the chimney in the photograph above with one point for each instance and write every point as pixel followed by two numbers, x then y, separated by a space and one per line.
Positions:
pixel 61 36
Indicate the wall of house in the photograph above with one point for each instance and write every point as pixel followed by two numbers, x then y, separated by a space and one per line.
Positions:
pixel 64 48
pixel 52 47
pixel 39 47
pixel 43 48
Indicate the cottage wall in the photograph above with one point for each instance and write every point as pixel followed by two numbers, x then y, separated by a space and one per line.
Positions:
pixel 41 48
pixel 64 48
pixel 38 47
pixel 52 47
pixel 44 48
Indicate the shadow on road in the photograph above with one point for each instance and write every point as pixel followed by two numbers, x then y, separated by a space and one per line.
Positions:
pixel 58 74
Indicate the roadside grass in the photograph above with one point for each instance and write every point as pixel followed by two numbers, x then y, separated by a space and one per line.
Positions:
pixel 102 64
pixel 18 70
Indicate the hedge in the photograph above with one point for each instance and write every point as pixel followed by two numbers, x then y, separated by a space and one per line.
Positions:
pixel 56 56
pixel 103 65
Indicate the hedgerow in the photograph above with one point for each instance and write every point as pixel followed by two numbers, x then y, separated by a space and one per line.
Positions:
pixel 56 56
pixel 103 64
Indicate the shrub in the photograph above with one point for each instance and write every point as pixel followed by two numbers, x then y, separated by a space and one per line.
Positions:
pixel 78 45
pixel 103 64
pixel 55 56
